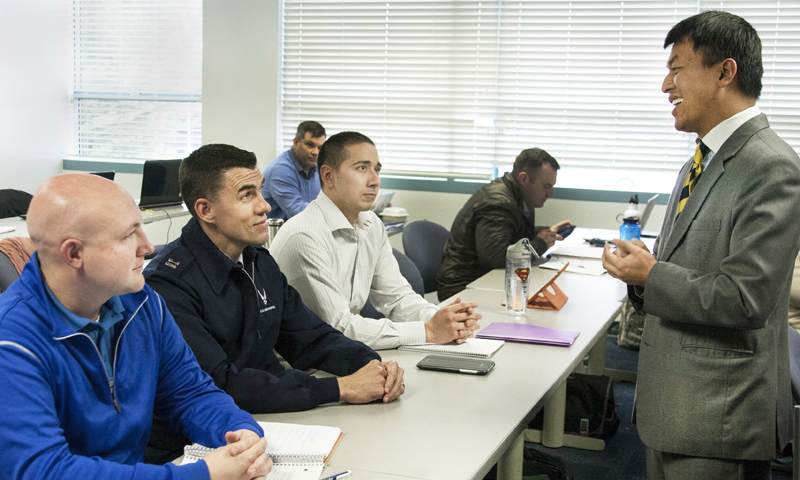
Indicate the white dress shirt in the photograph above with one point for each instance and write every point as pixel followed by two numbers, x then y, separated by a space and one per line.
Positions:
pixel 336 266
pixel 724 129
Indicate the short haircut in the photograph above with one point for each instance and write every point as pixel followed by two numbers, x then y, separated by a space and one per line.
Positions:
pixel 333 152
pixel 720 35
pixel 309 126
pixel 201 172
pixel 531 160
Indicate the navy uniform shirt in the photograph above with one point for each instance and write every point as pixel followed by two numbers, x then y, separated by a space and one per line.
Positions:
pixel 234 315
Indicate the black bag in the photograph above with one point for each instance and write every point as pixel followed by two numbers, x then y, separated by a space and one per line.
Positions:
pixel 536 463
pixel 590 409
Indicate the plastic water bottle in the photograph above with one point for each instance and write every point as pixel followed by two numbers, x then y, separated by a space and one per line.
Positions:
pixel 633 207
pixel 518 268
pixel 630 229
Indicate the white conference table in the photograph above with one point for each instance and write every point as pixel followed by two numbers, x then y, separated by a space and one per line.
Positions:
pixel 451 426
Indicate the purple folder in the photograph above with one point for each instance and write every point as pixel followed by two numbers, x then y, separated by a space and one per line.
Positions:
pixel 516 332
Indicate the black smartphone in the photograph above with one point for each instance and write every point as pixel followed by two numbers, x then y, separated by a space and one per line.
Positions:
pixel 565 231
pixel 470 366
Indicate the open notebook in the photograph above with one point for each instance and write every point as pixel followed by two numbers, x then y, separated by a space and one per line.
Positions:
pixel 298 452
pixel 473 347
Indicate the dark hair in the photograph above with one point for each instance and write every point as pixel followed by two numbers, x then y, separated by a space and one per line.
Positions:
pixel 531 160
pixel 332 152
pixel 719 35
pixel 309 126
pixel 201 172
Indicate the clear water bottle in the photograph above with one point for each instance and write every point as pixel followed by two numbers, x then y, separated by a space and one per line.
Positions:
pixel 630 229
pixel 518 268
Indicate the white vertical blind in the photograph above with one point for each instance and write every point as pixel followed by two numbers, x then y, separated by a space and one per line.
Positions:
pixel 451 88
pixel 137 77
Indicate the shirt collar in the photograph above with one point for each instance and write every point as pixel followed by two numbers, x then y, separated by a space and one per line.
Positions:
pixel 111 312
pixel 299 167
pixel 336 219
pixel 215 265
pixel 719 134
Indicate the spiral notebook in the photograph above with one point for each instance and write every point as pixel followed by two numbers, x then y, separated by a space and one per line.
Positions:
pixel 473 347
pixel 298 452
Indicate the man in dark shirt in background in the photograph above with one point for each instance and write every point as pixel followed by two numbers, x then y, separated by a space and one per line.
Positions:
pixel 496 216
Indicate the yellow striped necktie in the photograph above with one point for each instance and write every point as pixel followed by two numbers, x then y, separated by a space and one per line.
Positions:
pixel 691 180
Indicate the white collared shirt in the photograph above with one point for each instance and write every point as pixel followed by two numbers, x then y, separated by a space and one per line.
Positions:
pixel 336 266
pixel 719 134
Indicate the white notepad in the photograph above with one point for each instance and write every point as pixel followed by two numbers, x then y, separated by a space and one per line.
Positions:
pixel 298 452
pixel 473 347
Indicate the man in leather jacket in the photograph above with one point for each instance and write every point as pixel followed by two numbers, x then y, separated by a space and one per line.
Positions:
pixel 496 216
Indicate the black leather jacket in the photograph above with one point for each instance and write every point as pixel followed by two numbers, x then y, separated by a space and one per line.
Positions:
pixel 491 220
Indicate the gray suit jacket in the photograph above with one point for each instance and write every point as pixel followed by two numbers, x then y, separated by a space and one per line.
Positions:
pixel 714 366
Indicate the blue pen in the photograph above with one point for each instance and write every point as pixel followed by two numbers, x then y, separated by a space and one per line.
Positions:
pixel 344 474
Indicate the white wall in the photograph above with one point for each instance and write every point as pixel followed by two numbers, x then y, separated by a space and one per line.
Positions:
pixel 35 112
pixel 241 60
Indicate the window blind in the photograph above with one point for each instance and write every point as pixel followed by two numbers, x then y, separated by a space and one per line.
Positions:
pixel 137 77
pixel 455 88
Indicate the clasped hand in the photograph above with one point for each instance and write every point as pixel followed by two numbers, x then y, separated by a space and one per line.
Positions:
pixel 455 322
pixel 243 458
pixel 374 381
pixel 630 262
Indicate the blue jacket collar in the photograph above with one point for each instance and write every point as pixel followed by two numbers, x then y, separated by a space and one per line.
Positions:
pixel 215 265
pixel 31 280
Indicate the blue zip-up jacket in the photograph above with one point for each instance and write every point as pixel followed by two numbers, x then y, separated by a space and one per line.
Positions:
pixel 234 317
pixel 60 416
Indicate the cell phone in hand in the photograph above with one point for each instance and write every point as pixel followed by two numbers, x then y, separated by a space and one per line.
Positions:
pixel 566 230
pixel 469 366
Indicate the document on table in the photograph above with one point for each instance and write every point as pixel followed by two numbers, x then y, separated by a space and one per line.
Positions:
pixel 8 228
pixel 587 266
pixel 473 347
pixel 579 251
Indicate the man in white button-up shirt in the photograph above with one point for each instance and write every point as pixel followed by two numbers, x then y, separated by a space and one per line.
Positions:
pixel 337 255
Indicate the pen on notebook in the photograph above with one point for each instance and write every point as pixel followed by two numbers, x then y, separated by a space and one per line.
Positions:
pixel 344 474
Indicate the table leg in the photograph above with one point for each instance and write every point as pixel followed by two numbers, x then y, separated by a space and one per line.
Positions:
pixel 553 423
pixel 509 467
pixel 597 357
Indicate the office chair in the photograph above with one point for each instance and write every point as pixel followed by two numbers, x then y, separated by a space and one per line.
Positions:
pixel 423 242
pixel 14 202
pixel 7 272
pixel 19 247
pixel 410 273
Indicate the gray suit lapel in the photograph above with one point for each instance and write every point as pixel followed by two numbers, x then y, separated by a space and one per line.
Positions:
pixel 706 182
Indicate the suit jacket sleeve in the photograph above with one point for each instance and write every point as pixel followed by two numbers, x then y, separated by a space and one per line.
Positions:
pixel 739 293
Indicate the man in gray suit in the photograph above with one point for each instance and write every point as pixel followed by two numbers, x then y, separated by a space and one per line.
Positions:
pixel 713 396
